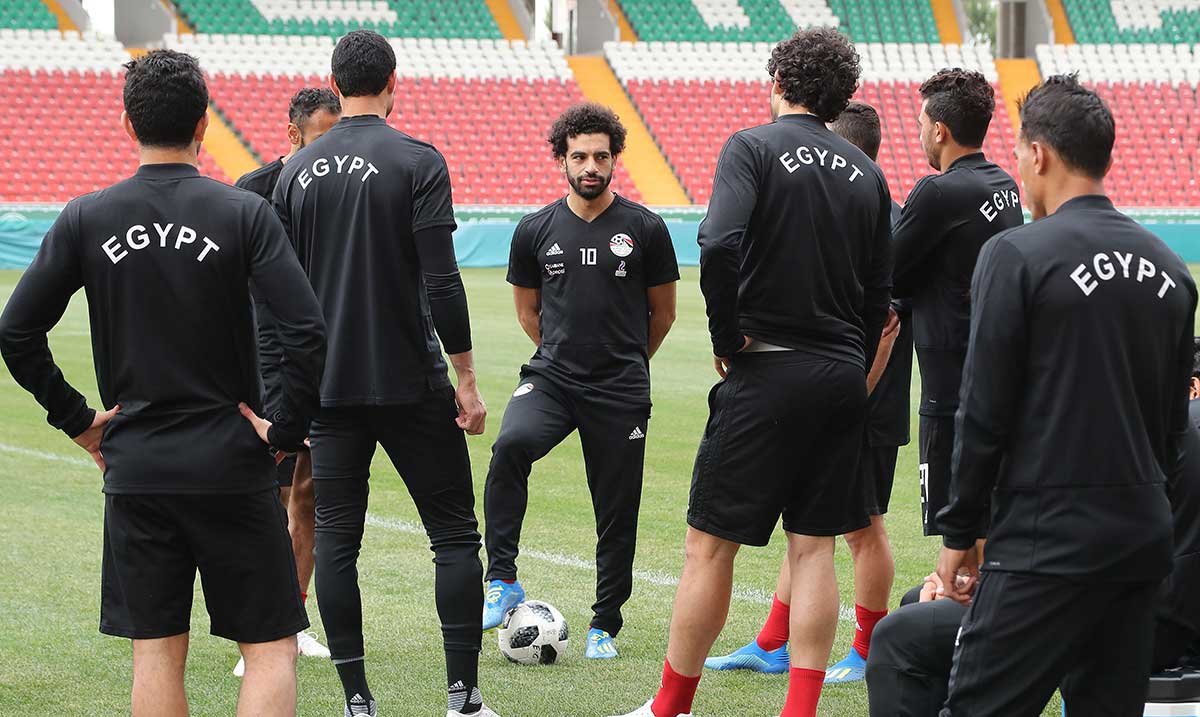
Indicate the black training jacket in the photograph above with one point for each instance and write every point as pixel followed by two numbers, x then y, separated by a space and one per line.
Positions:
pixel 352 202
pixel 945 222
pixel 166 259
pixel 1074 397
pixel 795 249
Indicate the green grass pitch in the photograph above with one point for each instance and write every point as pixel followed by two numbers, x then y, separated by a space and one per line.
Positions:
pixel 53 660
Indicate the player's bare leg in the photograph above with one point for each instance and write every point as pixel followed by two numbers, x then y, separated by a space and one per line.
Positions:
pixel 269 687
pixel 814 615
pixel 158 667
pixel 874 568
pixel 302 518
pixel 701 601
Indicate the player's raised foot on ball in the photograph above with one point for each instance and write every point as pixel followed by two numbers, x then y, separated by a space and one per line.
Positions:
pixel 645 711
pixel 308 645
pixel 600 645
pixel 500 597
pixel 483 712
pixel 852 668
pixel 752 657
pixel 358 706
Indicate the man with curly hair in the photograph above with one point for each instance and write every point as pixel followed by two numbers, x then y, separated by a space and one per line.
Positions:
pixel 593 278
pixel 795 268
pixel 888 385
pixel 945 221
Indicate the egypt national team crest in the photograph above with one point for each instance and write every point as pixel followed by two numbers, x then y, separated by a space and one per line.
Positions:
pixel 621 245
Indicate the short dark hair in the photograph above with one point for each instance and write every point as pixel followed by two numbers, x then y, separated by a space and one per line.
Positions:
pixel 309 100
pixel 818 68
pixel 165 98
pixel 1073 120
pixel 362 63
pixel 859 125
pixel 587 118
pixel 963 100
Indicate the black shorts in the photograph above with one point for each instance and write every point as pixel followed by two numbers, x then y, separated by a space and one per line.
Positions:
pixel 878 469
pixel 936 439
pixel 784 434
pixel 285 470
pixel 154 544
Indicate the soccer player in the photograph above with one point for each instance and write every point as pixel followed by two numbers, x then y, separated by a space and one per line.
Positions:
pixel 370 214
pixel 593 278
pixel 1073 412
pixel 909 672
pixel 795 265
pixel 166 258
pixel 887 429
pixel 945 221
pixel 311 113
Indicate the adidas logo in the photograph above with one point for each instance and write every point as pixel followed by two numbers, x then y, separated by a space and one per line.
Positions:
pixel 555 250
pixel 637 433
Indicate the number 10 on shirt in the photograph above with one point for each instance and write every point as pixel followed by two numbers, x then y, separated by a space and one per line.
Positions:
pixel 588 256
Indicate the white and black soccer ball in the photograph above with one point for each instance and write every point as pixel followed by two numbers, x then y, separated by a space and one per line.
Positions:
pixel 533 633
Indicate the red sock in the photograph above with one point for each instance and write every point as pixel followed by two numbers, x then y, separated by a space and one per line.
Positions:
pixel 304 597
pixel 508 582
pixel 775 630
pixel 804 691
pixel 865 625
pixel 676 694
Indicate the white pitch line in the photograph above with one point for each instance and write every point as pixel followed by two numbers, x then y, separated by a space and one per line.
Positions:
pixel 57 457
pixel 650 577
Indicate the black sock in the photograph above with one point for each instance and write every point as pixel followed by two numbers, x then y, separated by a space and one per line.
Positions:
pixel 462 674
pixel 354 682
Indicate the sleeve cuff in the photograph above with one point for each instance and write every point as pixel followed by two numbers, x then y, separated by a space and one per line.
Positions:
pixel 728 346
pixel 80 423
pixel 958 542
pixel 284 440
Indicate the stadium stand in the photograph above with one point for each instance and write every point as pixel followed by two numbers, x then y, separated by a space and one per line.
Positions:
pixel 450 92
pixel 69 140
pixel 694 95
pixel 332 18
pixel 770 20
pixel 27 14
pixel 1134 21
pixel 1152 88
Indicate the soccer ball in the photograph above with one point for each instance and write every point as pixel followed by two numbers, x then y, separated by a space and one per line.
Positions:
pixel 533 633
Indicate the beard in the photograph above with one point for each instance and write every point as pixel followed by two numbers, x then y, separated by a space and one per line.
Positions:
pixel 586 192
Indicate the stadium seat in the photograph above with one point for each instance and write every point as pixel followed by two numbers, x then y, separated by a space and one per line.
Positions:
pixel 27 14
pixel 70 140
pixel 1134 21
pixel 332 18
pixel 448 95
pixel 1153 88
pixel 694 95
pixel 773 20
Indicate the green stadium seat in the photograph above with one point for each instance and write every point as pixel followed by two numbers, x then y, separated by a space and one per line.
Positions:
pixel 414 18
pixel 27 14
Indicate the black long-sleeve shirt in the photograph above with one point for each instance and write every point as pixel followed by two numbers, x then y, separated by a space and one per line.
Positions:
pixel 166 258
pixel 369 212
pixel 1179 599
pixel 889 406
pixel 795 248
pixel 945 222
pixel 1073 406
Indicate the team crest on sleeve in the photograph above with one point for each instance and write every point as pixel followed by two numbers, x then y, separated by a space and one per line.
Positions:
pixel 522 390
pixel 621 245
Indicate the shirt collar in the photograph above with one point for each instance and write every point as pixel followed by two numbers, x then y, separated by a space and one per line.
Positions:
pixel 972 159
pixel 1084 202
pixel 360 120
pixel 796 117
pixel 167 171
